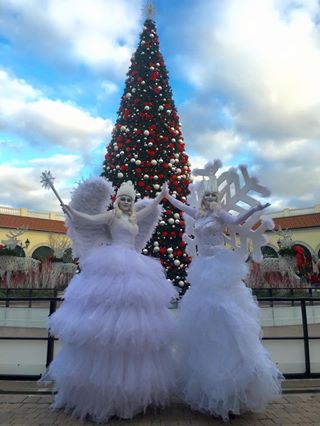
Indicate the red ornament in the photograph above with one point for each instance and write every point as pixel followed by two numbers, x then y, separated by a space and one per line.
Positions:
pixel 126 114
pixel 141 183
pixel 154 76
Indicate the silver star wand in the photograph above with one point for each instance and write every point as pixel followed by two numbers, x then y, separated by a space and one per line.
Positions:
pixel 47 183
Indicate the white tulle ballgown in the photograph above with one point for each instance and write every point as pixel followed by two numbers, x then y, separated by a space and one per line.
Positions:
pixel 223 367
pixel 116 332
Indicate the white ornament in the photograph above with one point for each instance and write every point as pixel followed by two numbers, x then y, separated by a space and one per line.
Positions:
pixel 171 221
pixel 153 162
pixel 128 95
pixel 181 283
pixel 176 262
pixel 120 175
pixel 146 132
pixel 145 251
pixel 138 162
pixel 176 216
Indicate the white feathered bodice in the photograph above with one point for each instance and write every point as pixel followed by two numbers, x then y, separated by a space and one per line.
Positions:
pixel 90 224
pixel 123 232
pixel 209 233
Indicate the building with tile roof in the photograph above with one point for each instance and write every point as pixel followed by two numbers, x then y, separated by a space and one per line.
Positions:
pixel 304 225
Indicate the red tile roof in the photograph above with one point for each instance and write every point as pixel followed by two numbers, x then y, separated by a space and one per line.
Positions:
pixel 296 222
pixel 33 223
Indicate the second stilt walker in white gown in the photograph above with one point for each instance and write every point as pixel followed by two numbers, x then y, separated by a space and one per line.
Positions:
pixel 223 367
pixel 114 325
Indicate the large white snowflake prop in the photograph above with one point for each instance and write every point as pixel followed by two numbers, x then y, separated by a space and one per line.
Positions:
pixel 238 192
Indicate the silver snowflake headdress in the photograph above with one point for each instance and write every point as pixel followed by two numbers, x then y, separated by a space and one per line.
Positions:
pixel 209 182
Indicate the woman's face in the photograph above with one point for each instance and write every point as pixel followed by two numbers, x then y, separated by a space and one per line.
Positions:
pixel 209 198
pixel 125 203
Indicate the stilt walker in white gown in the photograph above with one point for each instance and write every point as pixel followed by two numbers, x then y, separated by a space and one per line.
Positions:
pixel 114 325
pixel 223 367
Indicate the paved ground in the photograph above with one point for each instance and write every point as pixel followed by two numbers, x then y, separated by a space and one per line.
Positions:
pixel 34 410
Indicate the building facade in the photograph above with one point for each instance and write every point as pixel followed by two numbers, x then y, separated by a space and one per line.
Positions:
pixel 40 227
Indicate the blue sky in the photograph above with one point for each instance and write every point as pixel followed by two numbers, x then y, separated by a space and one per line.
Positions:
pixel 244 75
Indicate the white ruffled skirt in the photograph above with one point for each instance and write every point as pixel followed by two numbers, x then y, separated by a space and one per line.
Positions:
pixel 117 336
pixel 223 366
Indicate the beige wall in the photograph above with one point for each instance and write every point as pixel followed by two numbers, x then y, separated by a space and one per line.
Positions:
pixel 310 237
pixel 36 238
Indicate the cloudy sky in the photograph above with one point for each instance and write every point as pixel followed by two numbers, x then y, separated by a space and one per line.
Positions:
pixel 244 74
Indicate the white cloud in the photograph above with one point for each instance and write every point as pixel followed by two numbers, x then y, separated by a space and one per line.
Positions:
pixel 21 187
pixel 254 66
pixel 26 111
pixel 263 58
pixel 109 87
pixel 99 34
pixel 220 143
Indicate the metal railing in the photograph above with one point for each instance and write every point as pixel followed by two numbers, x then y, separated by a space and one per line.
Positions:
pixel 28 294
pixel 306 338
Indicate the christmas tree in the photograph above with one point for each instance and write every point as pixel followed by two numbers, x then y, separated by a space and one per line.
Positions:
pixel 147 148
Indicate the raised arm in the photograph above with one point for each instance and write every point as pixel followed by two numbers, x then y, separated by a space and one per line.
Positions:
pixel 178 204
pixel 97 219
pixel 149 207
pixel 228 219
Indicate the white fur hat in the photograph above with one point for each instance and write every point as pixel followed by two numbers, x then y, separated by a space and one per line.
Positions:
pixel 127 188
